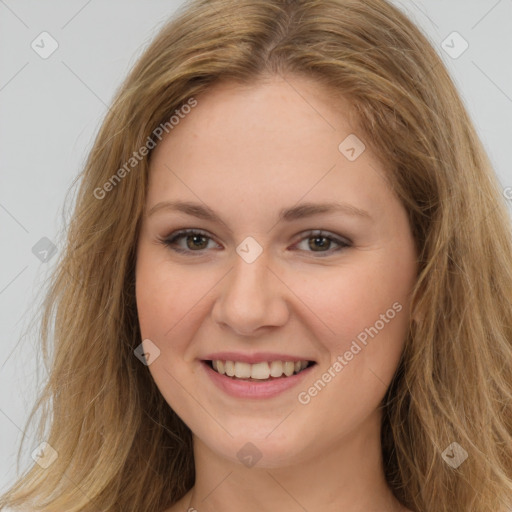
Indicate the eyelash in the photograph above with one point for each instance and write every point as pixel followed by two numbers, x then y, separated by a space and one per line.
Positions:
pixel 171 240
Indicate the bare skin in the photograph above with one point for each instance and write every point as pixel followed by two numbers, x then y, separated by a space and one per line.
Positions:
pixel 246 153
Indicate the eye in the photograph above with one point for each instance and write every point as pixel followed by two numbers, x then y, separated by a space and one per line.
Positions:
pixel 319 240
pixel 194 239
pixel 197 241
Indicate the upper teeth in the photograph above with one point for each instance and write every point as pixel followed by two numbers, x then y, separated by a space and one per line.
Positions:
pixel 262 370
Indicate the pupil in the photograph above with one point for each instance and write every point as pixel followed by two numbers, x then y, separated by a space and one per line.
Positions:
pixel 320 238
pixel 195 237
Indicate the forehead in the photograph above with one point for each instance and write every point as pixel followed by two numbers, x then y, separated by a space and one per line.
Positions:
pixel 269 112
pixel 273 141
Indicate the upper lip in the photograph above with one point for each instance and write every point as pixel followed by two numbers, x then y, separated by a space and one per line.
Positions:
pixel 257 357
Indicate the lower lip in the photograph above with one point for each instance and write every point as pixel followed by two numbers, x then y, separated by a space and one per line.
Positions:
pixel 254 389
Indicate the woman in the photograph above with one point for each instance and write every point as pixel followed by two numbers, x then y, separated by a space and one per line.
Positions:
pixel 240 368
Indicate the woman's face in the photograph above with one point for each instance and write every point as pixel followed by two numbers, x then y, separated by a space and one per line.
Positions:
pixel 260 284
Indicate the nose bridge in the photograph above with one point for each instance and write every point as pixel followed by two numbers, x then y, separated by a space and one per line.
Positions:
pixel 250 281
pixel 250 264
pixel 250 296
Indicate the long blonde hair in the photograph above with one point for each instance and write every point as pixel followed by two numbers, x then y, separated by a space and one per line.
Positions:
pixel 120 446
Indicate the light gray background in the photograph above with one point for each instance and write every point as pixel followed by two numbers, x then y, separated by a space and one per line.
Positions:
pixel 50 110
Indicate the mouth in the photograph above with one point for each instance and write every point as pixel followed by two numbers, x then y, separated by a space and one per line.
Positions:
pixel 264 371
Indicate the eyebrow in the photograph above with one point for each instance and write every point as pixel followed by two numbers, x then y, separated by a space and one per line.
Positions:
pixel 298 212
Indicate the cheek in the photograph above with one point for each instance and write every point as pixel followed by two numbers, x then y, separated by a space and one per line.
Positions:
pixel 366 306
pixel 167 312
pixel 364 302
pixel 171 301
pixel 160 295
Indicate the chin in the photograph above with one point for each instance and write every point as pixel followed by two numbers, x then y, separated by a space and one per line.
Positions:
pixel 260 447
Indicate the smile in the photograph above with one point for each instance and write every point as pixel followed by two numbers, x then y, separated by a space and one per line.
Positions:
pixel 258 371
pixel 260 380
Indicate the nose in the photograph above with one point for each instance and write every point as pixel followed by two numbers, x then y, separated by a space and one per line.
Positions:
pixel 251 298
